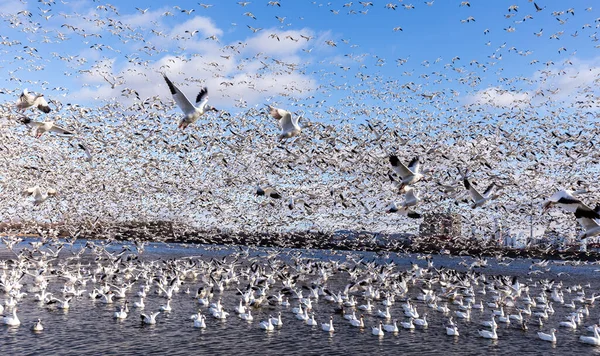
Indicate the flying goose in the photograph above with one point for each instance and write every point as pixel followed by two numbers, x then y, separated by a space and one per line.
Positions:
pixel 27 100
pixel 408 175
pixel 38 196
pixel 586 218
pixel 39 128
pixel 393 208
pixel 566 199
pixel 192 113
pixel 478 198
pixel 288 124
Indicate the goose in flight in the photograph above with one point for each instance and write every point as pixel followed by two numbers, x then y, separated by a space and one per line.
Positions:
pixel 192 113
pixel 408 175
pixel 38 196
pixel 566 199
pixel 478 198
pixel 268 191
pixel 39 128
pixel 393 208
pixel 27 100
pixel 586 218
pixel 288 124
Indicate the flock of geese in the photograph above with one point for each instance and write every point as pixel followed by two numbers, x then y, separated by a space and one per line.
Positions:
pixel 276 289
pixel 365 152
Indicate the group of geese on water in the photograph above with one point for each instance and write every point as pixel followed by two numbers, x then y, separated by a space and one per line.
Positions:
pixel 357 292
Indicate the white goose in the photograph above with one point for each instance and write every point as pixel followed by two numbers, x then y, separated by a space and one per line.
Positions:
pixel 592 340
pixel 27 100
pixel 247 316
pixel 122 312
pixel 311 321
pixel 277 321
pixel 378 330
pixel 38 196
pixel 200 322
pixel 392 328
pixel 328 327
pixel 288 124
pixel 408 175
pixel 408 324
pixel 571 324
pixel 140 304
pixel 191 112
pixel 566 200
pixel 37 326
pixel 149 319
pixel 489 334
pixel 359 323
pixel 39 128
pixel 267 325
pixel 12 320
pixel 548 337
pixel 478 198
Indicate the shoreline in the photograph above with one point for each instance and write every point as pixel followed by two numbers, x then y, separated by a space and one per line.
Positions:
pixel 343 241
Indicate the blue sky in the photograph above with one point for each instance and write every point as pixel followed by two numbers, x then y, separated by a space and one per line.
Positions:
pixel 366 46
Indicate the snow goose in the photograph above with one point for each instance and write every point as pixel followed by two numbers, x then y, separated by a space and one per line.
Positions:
pixel 393 208
pixel 486 334
pixel 37 326
pixel 359 323
pixel 328 327
pixel 408 324
pixel 566 200
pixel 200 322
pixel 392 328
pixel 38 196
pixel 288 124
pixel 548 337
pixel 191 112
pixel 267 325
pixel 149 319
pixel 378 330
pixel 586 220
pixel 311 321
pixel 480 199
pixel 39 128
pixel 12 320
pixel 571 324
pixel 27 100
pixel 408 175
pixel 592 340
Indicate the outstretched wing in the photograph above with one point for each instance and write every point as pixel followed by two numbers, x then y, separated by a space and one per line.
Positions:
pixel 201 95
pixel 182 101
pixel 61 131
pixel 474 193
pixel 41 104
pixel 489 190
pixel 415 164
pixel 399 167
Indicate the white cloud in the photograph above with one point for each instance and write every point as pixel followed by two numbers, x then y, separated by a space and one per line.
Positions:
pixel 499 98
pixel 12 7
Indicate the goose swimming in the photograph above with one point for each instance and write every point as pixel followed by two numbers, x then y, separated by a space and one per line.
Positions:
pixel 551 337
pixel 37 326
pixel 191 112
pixel 12 320
pixel 149 319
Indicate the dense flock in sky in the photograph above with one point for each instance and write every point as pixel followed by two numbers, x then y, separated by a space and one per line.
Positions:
pixel 505 90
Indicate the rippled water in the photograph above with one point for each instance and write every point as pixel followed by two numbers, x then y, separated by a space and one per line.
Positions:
pixel 88 326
